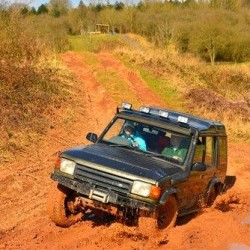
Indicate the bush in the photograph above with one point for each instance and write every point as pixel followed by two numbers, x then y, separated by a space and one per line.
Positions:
pixel 30 87
pixel 219 93
pixel 53 32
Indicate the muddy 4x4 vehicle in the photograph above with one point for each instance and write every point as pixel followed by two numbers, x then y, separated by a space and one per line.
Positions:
pixel 145 177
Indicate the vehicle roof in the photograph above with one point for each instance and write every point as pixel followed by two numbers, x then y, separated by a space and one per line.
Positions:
pixel 202 125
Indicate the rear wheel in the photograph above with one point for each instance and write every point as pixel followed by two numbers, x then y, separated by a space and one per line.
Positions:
pixel 165 220
pixel 62 206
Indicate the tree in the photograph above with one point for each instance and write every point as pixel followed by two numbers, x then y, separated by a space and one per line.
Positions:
pixel 81 5
pixel 99 7
pixel 163 34
pixel 118 5
pixel 239 46
pixel 59 7
pixel 24 10
pixel 33 11
pixel 42 9
pixel 210 35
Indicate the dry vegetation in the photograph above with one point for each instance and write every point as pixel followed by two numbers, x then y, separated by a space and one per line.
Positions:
pixel 33 85
pixel 37 98
pixel 221 92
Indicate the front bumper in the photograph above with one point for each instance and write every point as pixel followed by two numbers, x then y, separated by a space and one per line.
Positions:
pixel 108 197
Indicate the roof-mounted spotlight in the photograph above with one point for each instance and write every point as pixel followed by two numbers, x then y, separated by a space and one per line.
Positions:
pixel 182 119
pixel 144 109
pixel 163 114
pixel 126 105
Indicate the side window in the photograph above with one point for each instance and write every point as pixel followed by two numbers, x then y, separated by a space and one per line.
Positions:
pixel 205 150
pixel 210 151
pixel 222 157
pixel 199 151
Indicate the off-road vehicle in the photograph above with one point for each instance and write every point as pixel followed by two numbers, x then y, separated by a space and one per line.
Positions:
pixel 114 175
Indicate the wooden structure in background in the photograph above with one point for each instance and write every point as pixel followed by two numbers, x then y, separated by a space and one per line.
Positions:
pixel 102 28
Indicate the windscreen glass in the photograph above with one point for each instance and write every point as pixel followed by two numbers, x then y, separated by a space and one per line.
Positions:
pixel 166 144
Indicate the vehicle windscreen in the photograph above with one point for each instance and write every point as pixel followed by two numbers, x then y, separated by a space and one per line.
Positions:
pixel 151 140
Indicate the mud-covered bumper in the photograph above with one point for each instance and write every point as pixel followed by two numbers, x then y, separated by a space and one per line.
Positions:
pixel 102 195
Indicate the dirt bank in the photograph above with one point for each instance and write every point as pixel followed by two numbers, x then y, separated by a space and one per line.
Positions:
pixel 24 184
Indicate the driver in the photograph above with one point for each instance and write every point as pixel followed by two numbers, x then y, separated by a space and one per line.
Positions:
pixel 133 136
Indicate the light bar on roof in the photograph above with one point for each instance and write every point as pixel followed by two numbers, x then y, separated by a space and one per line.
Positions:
pixel 144 109
pixel 126 105
pixel 163 114
pixel 182 119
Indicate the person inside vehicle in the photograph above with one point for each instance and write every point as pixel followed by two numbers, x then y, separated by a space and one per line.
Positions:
pixel 176 150
pixel 130 133
pixel 162 141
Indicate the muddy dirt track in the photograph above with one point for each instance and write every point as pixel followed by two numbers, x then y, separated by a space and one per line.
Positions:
pixel 24 185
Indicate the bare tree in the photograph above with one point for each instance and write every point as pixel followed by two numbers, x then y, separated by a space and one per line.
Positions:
pixel 59 7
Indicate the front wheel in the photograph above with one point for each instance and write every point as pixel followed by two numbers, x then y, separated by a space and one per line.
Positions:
pixel 62 207
pixel 165 220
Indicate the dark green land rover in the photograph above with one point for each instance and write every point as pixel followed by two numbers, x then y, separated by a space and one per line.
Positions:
pixel 165 165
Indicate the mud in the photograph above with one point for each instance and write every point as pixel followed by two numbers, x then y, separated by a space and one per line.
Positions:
pixel 24 185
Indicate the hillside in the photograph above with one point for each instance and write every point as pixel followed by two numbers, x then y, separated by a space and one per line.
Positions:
pixel 101 82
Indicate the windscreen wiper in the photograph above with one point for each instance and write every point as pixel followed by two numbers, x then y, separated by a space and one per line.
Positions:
pixel 121 146
pixel 131 147
pixel 165 157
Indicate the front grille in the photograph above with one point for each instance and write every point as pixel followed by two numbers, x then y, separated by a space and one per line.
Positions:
pixel 102 179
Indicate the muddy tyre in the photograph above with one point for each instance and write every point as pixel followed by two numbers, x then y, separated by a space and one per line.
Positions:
pixel 166 217
pixel 60 200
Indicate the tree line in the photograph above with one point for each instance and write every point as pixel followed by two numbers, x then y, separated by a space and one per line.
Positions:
pixel 215 30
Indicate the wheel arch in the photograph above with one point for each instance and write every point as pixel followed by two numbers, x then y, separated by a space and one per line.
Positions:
pixel 166 194
pixel 216 184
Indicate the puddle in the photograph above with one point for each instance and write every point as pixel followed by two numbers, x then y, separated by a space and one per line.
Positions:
pixel 246 221
pixel 238 246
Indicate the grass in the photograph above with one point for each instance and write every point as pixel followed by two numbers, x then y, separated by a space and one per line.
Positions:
pixel 93 43
pixel 163 88
pixel 116 87
pixel 119 90
pixel 110 80
pixel 177 79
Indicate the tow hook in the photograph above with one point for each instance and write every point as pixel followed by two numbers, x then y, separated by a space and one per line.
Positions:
pixel 77 202
pixel 73 206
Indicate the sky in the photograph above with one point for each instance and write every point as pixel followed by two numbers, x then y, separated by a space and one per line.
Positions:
pixel 37 3
pixel 75 3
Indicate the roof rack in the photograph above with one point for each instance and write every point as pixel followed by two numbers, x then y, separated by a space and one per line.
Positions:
pixel 171 115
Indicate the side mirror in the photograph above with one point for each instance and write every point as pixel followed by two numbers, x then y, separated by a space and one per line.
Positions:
pixel 199 166
pixel 91 137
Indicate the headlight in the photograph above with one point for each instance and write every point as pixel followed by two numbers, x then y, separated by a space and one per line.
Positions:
pixel 141 188
pixel 146 190
pixel 67 166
